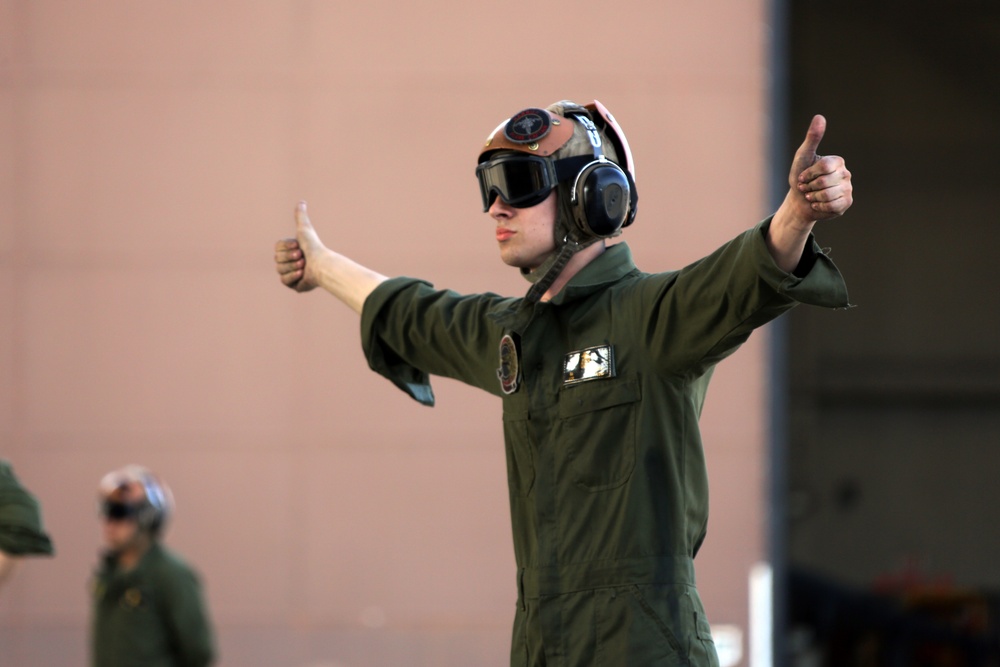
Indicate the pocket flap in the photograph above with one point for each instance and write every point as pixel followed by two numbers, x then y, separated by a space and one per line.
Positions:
pixel 598 395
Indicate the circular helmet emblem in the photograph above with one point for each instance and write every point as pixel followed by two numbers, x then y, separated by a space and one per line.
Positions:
pixel 527 126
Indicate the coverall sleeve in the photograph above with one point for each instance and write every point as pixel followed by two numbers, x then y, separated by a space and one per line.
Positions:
pixel 701 314
pixel 21 529
pixel 410 331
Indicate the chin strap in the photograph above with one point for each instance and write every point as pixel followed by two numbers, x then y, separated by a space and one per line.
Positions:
pixel 546 274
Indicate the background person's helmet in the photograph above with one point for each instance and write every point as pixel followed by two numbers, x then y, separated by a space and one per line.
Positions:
pixel 135 492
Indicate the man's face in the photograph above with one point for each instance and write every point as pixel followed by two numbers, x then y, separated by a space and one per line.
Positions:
pixel 526 236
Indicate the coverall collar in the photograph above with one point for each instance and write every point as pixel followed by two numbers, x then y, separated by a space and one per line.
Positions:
pixel 610 266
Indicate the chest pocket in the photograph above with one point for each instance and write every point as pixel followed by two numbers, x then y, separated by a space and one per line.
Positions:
pixel 129 623
pixel 598 423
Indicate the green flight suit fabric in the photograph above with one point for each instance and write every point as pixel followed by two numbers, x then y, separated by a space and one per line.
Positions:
pixel 151 616
pixel 607 479
pixel 21 528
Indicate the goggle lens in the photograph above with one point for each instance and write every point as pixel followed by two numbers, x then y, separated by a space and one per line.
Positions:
pixel 114 511
pixel 520 181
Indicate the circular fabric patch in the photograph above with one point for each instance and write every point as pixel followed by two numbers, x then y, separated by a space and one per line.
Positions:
pixel 527 126
pixel 509 371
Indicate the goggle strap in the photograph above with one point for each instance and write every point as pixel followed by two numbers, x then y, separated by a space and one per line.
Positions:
pixel 568 168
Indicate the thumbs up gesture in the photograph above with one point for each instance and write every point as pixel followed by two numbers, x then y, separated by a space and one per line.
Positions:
pixel 822 182
pixel 292 256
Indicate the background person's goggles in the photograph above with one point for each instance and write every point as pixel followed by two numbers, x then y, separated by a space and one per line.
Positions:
pixel 523 181
pixel 115 511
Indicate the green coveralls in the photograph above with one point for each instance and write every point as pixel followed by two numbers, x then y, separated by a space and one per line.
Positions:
pixel 150 616
pixel 21 529
pixel 607 478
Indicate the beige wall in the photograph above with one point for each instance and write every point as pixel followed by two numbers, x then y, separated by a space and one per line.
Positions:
pixel 150 155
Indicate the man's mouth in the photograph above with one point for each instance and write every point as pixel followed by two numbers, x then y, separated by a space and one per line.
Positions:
pixel 503 233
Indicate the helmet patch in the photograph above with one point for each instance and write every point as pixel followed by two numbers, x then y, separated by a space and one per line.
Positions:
pixel 527 126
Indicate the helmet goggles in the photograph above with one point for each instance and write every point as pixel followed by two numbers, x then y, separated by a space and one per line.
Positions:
pixel 519 180
pixel 117 511
pixel 522 181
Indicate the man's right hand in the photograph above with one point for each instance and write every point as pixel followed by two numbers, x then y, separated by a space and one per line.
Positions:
pixel 292 256
pixel 304 263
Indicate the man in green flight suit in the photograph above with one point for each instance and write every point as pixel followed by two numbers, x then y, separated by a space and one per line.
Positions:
pixel 602 370
pixel 21 529
pixel 148 605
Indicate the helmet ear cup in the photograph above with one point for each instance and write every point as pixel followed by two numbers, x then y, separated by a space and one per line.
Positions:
pixel 603 199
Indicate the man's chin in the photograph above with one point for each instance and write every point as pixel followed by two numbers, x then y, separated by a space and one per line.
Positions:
pixel 519 263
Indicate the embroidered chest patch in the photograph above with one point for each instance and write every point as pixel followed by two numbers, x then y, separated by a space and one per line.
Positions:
pixel 591 363
pixel 509 371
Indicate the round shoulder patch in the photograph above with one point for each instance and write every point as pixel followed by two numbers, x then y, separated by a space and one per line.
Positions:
pixel 509 371
pixel 527 126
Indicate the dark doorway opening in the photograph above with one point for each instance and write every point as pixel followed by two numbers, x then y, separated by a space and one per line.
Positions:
pixel 888 501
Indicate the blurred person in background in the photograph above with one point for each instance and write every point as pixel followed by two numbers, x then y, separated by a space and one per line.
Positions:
pixel 148 607
pixel 22 532
pixel 607 479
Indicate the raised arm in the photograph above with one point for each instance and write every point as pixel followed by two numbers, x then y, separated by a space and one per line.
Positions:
pixel 819 189
pixel 304 263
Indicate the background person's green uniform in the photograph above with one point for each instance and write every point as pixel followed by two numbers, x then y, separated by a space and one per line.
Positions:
pixel 21 528
pixel 607 477
pixel 152 615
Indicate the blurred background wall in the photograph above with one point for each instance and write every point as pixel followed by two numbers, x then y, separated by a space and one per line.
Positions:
pixel 151 155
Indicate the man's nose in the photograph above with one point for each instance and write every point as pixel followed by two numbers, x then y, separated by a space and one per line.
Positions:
pixel 500 208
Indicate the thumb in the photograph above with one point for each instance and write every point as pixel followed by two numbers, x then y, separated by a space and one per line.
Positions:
pixel 304 231
pixel 807 153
